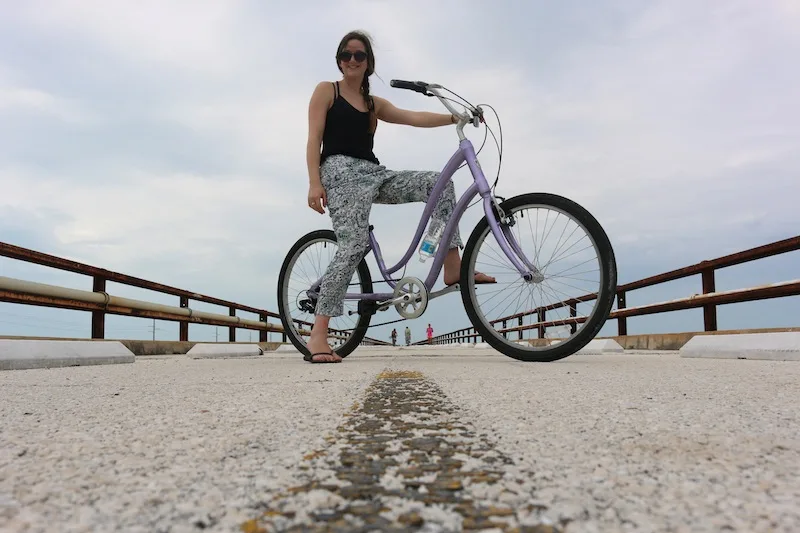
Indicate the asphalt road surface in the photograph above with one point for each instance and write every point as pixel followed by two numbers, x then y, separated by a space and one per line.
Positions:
pixel 429 439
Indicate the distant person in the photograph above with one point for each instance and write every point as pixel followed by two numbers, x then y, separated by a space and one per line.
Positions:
pixel 429 331
pixel 394 337
pixel 346 176
pixel 408 336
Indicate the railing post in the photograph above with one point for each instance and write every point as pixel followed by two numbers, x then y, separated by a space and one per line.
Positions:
pixel 98 317
pixel 709 311
pixel 232 329
pixel 505 335
pixel 262 335
pixel 183 326
pixel 622 322
pixel 573 312
pixel 519 331
pixel 542 329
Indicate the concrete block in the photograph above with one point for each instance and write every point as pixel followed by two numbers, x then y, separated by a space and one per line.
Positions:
pixel 21 354
pixel 286 348
pixel 598 346
pixel 778 346
pixel 221 351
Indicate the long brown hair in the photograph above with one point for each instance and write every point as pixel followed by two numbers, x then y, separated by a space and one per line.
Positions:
pixel 364 38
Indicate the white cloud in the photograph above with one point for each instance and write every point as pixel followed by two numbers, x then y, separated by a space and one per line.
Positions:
pixel 188 217
pixel 261 129
pixel 674 123
pixel 16 98
pixel 195 37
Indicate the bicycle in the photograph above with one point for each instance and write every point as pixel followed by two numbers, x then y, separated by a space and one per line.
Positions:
pixel 502 220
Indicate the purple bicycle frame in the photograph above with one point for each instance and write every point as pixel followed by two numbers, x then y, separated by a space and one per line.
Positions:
pixel 507 242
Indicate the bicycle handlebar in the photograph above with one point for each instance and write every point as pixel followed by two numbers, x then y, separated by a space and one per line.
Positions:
pixel 431 89
pixel 418 86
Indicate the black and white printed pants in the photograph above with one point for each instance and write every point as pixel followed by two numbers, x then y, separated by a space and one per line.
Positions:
pixel 352 186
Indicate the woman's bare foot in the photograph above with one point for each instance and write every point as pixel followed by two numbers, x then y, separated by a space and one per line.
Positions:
pixel 318 342
pixel 321 352
pixel 480 277
pixel 452 270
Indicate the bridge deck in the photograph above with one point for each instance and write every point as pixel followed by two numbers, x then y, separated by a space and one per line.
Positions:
pixel 452 438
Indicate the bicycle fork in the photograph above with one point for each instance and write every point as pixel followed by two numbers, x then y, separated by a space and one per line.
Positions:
pixel 500 225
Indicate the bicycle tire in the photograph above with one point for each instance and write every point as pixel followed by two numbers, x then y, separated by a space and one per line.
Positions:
pixel 360 330
pixel 607 289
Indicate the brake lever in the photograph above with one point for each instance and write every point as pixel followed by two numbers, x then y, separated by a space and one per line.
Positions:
pixel 477 116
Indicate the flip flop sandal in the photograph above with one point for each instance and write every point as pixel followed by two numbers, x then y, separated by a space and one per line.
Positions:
pixel 477 282
pixel 310 358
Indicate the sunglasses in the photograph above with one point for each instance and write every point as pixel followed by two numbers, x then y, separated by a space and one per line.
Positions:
pixel 345 56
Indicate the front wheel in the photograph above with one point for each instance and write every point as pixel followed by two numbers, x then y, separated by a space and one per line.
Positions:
pixel 557 314
pixel 303 267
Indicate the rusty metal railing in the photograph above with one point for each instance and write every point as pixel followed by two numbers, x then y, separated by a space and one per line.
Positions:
pixel 709 299
pixel 35 294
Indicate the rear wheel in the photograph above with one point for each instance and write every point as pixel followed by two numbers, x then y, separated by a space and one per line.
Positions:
pixel 553 317
pixel 302 268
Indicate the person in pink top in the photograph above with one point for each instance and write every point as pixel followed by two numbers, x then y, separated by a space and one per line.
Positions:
pixel 430 334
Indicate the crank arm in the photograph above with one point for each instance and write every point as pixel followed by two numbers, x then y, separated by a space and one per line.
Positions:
pixel 386 304
pixel 383 305
pixel 447 290
pixel 400 299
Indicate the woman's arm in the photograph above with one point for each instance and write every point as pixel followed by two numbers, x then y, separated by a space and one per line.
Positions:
pixel 317 110
pixel 387 112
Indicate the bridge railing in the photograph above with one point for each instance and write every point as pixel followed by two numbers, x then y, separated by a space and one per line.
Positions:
pixel 99 303
pixel 709 299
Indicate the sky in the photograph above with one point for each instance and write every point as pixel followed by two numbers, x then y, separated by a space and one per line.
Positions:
pixel 166 140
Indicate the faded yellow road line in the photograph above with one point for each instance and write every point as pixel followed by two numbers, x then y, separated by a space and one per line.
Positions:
pixel 402 460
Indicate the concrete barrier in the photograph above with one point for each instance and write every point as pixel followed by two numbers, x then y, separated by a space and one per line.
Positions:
pixel 598 346
pixel 286 348
pixel 675 341
pixel 23 354
pixel 219 351
pixel 779 346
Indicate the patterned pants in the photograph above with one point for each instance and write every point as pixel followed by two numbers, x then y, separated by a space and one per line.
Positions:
pixel 352 186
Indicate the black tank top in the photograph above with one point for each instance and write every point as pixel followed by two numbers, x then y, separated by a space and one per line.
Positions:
pixel 347 131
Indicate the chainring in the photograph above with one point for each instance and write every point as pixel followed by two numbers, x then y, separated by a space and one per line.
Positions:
pixel 415 296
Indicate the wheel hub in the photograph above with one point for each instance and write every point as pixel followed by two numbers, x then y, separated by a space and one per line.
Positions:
pixel 414 297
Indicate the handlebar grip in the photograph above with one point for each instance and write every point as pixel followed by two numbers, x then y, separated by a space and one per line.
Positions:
pixel 417 86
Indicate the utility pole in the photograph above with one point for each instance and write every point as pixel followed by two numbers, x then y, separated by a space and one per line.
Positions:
pixel 154 329
pixel 216 334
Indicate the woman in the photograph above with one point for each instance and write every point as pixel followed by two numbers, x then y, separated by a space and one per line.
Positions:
pixel 347 178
